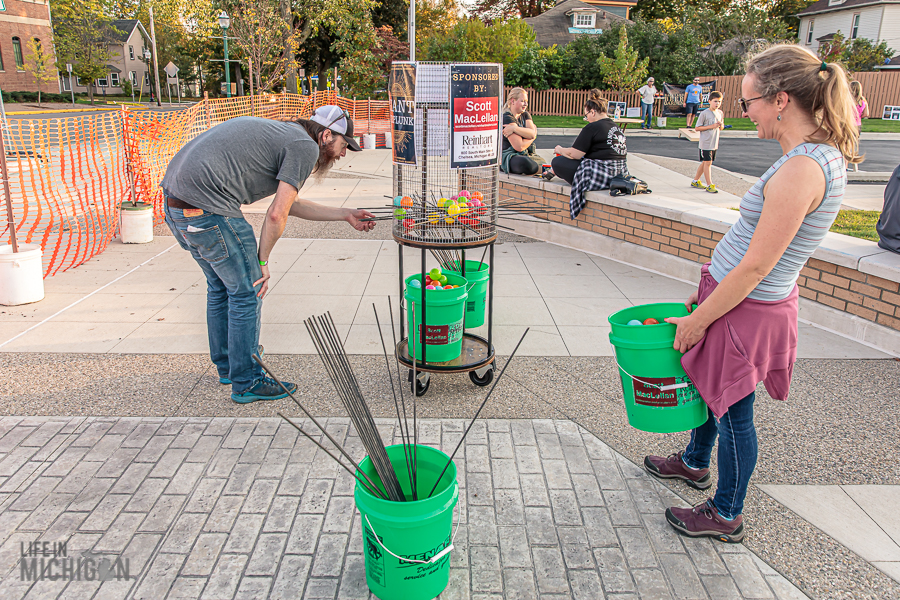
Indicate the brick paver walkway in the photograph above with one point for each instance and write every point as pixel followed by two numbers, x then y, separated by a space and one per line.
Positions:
pixel 244 508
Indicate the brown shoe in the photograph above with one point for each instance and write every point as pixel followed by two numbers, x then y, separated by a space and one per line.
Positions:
pixel 704 520
pixel 672 467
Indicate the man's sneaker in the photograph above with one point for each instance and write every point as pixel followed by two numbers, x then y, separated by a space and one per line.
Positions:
pixel 264 389
pixel 704 520
pixel 712 189
pixel 672 467
pixel 698 185
pixel 225 381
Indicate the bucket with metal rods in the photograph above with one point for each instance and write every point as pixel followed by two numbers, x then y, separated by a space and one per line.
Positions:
pixel 406 492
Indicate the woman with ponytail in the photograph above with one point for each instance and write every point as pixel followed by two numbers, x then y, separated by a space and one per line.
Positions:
pixel 519 133
pixel 745 328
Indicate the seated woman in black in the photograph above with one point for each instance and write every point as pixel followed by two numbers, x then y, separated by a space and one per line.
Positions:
pixel 519 133
pixel 597 155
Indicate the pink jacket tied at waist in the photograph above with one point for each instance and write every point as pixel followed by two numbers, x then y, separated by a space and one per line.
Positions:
pixel 755 341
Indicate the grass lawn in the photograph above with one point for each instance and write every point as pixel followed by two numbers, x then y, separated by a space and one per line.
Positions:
pixel 873 125
pixel 857 223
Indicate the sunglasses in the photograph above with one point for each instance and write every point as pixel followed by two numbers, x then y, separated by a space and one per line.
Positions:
pixel 344 115
pixel 743 103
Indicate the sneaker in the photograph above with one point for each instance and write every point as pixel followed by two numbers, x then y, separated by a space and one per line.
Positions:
pixel 672 467
pixel 698 185
pixel 712 189
pixel 264 389
pixel 225 381
pixel 547 175
pixel 704 520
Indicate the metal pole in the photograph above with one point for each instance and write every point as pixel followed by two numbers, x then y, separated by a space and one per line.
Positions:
pixel 412 31
pixel 227 67
pixel 155 64
pixel 72 85
pixel 5 174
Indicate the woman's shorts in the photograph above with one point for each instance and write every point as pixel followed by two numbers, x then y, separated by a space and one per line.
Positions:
pixel 707 155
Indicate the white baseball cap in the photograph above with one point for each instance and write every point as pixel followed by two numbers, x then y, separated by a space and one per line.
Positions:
pixel 338 121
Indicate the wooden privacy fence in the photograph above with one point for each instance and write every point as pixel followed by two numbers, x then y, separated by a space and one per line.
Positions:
pixel 879 87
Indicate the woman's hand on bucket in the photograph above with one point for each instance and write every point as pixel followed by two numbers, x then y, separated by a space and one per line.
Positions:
pixel 690 302
pixel 688 333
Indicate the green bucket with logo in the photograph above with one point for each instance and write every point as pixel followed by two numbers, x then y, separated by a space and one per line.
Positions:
pixel 477 274
pixel 407 544
pixel 659 396
pixel 444 311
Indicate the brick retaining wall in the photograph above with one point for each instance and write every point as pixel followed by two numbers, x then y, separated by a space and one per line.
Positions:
pixel 864 295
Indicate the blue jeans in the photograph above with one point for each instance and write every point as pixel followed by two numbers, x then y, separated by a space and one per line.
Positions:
pixel 225 249
pixel 737 454
pixel 646 114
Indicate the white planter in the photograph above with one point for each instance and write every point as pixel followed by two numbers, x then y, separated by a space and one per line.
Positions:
pixel 21 275
pixel 368 141
pixel 136 223
pixel 388 142
pixel 661 121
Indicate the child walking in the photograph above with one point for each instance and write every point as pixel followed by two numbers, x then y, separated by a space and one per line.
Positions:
pixel 709 123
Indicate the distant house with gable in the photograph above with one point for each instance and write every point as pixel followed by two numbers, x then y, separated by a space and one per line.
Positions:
pixel 126 62
pixel 572 18
pixel 875 20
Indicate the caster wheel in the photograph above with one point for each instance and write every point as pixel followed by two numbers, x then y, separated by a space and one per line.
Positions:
pixel 421 386
pixel 484 380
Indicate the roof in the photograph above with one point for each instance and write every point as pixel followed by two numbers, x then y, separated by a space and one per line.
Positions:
pixel 125 27
pixel 552 27
pixel 822 6
pixel 894 63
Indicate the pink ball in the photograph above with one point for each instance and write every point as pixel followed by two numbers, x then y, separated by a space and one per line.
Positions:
pixel 465 193
pixel 475 202
pixel 429 287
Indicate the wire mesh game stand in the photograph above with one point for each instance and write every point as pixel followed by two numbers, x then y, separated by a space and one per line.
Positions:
pixel 427 225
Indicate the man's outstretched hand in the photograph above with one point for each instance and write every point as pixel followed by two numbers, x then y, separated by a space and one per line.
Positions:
pixel 354 217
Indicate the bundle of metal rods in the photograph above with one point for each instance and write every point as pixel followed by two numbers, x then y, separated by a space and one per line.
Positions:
pixel 330 349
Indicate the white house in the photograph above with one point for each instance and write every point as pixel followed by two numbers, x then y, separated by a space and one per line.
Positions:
pixel 876 20
pixel 126 62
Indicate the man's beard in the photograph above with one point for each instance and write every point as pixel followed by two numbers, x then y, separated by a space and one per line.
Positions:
pixel 327 157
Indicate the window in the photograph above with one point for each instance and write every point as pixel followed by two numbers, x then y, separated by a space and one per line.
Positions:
pixel 147 78
pixel 114 79
pixel 584 20
pixel 103 82
pixel 131 52
pixel 17 52
pixel 809 33
pixel 67 85
pixel 854 31
pixel 133 77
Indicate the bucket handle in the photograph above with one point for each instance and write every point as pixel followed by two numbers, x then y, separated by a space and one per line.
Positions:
pixel 662 388
pixel 434 558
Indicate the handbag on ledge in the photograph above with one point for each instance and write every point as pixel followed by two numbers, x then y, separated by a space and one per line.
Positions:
pixel 628 186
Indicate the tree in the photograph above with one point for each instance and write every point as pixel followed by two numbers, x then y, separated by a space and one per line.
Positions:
pixel 435 18
pixel 41 64
pixel 494 10
pixel 82 32
pixel 625 71
pixel 856 55
pixel 258 27
pixel 390 48
pixel 472 40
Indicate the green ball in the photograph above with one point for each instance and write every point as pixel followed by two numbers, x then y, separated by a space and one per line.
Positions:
pixel 400 213
pixel 442 279
pixel 435 274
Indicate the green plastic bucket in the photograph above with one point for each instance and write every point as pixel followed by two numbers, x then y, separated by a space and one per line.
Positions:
pixel 444 315
pixel 477 274
pixel 407 544
pixel 659 396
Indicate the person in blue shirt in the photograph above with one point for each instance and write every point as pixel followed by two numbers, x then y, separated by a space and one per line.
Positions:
pixel 691 102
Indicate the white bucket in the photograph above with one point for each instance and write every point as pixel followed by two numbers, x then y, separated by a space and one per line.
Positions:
pixel 21 275
pixel 661 121
pixel 388 142
pixel 136 223
pixel 368 140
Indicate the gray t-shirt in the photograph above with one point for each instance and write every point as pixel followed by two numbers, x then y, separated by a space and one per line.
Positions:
pixel 239 162
pixel 709 139
pixel 888 225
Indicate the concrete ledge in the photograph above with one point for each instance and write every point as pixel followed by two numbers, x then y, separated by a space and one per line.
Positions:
pixel 728 133
pixel 869 176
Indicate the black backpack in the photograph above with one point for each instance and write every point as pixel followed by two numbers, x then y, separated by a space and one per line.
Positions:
pixel 627 186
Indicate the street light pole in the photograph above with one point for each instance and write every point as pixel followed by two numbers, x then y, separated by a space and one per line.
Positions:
pixel 225 23
pixel 155 63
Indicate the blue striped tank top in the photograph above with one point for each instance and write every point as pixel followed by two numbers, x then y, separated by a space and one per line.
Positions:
pixel 779 283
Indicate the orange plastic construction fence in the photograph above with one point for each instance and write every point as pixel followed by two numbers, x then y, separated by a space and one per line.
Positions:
pixel 68 176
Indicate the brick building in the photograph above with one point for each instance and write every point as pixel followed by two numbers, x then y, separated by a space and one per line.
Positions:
pixel 21 20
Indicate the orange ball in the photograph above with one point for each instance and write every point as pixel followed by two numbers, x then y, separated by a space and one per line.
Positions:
pixel 476 196
pixel 406 202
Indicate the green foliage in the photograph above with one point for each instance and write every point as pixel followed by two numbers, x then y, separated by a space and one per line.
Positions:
pixel 81 33
pixel 127 88
pixel 39 62
pixel 472 40
pixel 626 70
pixel 856 55
pixel 537 68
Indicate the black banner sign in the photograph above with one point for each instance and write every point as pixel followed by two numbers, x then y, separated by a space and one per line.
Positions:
pixel 402 87
pixel 672 105
pixel 474 115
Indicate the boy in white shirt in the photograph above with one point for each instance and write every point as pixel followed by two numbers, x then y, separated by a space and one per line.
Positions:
pixel 709 123
pixel 648 93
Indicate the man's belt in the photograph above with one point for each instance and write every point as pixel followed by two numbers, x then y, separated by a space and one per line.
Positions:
pixel 176 203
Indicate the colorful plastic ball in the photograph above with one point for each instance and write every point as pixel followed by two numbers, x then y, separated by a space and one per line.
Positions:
pixel 634 322
pixel 463 208
pixel 400 213
pixel 476 202
pixel 429 287
pixel 449 220
pixel 442 202
pixel 397 200
pixel 442 279
pixel 409 223
pixel 651 321
pixel 438 287
pixel 465 193
pixel 415 283
pixel 435 273
pixel 453 210
pixel 406 202
pixel 476 195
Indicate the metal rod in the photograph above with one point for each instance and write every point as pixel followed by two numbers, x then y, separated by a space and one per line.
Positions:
pixel 478 412
pixel 400 379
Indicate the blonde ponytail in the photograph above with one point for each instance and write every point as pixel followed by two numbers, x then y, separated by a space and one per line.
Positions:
pixel 820 89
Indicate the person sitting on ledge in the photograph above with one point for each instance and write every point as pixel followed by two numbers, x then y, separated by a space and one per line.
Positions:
pixel 519 133
pixel 888 226
pixel 597 155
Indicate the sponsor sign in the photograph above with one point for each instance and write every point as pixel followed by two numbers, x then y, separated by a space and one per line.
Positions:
pixel 474 115
pixel 674 97
pixel 402 88
pixel 682 392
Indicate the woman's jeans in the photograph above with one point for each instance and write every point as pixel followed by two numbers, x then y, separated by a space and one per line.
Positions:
pixel 225 248
pixel 646 114
pixel 737 454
